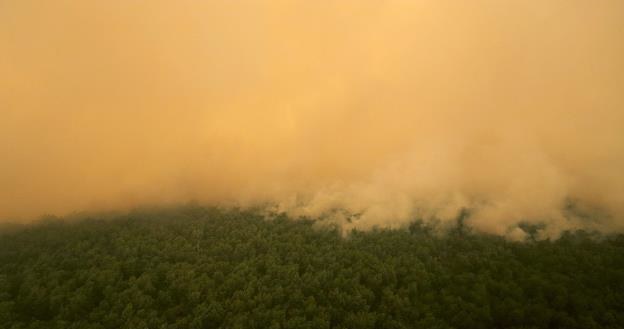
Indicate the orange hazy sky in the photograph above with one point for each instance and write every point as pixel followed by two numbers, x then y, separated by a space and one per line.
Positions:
pixel 390 109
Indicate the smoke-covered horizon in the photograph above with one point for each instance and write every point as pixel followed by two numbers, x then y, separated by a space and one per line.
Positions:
pixel 386 109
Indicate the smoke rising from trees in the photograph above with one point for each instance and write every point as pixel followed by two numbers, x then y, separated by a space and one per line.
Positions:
pixel 388 110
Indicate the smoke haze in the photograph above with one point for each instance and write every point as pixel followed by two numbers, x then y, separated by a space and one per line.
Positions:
pixel 389 110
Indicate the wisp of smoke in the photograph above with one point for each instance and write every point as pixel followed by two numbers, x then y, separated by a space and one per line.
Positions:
pixel 388 110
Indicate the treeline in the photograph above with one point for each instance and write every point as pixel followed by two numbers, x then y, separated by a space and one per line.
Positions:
pixel 195 267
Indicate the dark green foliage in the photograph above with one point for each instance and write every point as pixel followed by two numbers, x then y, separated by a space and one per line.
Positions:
pixel 196 267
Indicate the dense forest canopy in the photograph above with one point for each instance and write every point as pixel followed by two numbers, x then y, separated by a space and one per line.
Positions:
pixel 197 267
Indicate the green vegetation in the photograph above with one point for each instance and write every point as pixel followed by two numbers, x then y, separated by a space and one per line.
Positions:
pixel 194 267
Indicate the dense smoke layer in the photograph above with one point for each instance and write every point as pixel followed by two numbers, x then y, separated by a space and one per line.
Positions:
pixel 384 110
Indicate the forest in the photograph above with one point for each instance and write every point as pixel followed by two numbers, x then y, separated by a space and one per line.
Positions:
pixel 203 267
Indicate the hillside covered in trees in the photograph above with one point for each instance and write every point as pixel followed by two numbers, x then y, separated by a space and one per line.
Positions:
pixel 196 267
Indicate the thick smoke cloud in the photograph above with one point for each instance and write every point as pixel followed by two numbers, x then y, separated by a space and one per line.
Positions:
pixel 388 110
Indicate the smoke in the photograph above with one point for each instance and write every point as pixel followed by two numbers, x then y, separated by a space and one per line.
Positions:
pixel 385 110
